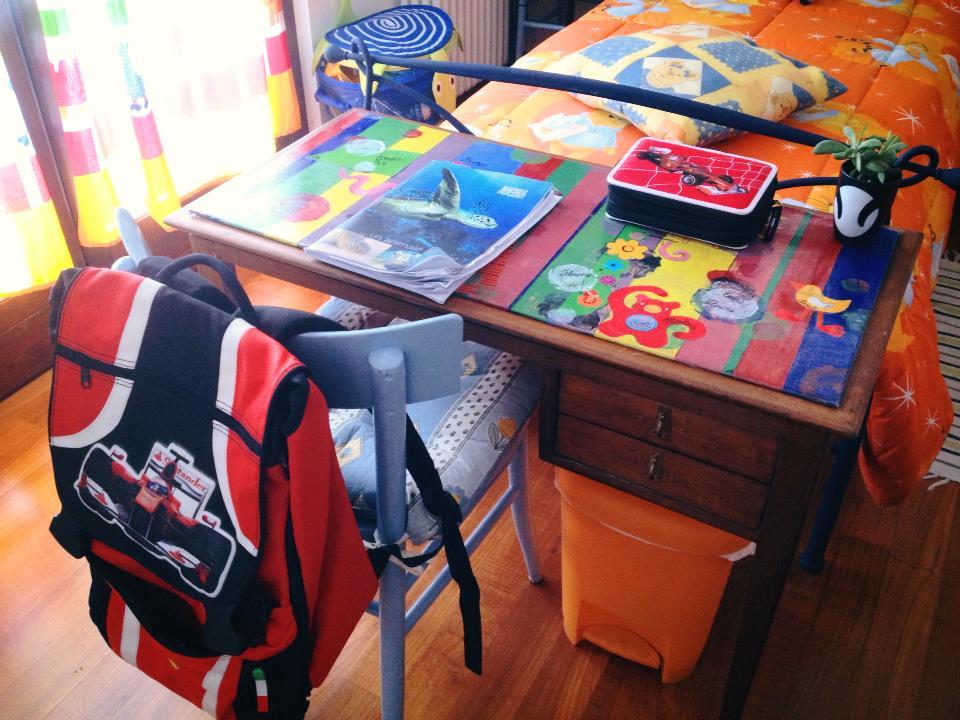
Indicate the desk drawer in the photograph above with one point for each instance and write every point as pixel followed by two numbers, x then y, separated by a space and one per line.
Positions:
pixel 718 492
pixel 641 415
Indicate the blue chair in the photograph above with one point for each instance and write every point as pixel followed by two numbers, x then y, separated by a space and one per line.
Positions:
pixel 470 403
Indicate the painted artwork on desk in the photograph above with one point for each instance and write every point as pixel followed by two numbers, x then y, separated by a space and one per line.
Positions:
pixel 788 314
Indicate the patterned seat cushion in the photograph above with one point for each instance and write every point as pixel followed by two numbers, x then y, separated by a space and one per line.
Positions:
pixel 465 433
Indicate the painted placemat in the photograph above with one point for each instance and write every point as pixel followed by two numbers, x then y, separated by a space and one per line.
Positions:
pixel 788 314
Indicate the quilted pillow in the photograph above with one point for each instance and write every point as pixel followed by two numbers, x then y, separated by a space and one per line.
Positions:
pixel 702 63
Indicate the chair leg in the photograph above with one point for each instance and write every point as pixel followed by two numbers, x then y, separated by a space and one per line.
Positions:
pixel 392 645
pixel 520 510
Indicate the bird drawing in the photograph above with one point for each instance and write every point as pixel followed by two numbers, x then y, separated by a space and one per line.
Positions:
pixel 444 205
pixel 812 298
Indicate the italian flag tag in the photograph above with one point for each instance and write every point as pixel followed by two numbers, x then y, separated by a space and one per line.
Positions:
pixel 260 681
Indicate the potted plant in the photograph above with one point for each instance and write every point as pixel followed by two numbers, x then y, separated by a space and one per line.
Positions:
pixel 867 184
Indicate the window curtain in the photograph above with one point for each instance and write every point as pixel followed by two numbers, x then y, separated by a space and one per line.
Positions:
pixel 32 247
pixel 157 99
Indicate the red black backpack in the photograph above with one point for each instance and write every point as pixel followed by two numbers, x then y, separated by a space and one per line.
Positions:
pixel 197 475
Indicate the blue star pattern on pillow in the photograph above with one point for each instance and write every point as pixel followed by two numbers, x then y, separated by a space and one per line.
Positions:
pixel 711 132
pixel 739 56
pixel 612 50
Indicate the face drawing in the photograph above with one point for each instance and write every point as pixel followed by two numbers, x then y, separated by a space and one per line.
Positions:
pixel 728 300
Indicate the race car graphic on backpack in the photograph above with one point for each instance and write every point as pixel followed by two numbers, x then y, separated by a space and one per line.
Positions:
pixel 162 508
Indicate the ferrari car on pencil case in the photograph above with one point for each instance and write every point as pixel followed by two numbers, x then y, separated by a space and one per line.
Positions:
pixel 691 173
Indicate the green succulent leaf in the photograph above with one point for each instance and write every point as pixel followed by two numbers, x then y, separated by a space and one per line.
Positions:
pixel 829 146
pixel 870 157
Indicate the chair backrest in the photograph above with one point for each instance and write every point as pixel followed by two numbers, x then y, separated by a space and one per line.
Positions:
pixel 133 242
pixel 384 369
pixel 340 363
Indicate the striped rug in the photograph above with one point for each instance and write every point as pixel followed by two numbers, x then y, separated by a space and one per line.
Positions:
pixel 946 306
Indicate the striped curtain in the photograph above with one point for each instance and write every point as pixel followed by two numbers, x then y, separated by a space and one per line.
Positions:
pixel 158 98
pixel 32 247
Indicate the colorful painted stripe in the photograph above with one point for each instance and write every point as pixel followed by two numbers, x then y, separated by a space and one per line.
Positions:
pixel 782 261
pixel 809 264
pixel 822 362
pixel 752 268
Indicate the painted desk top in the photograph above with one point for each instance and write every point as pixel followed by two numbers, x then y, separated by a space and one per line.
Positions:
pixel 788 314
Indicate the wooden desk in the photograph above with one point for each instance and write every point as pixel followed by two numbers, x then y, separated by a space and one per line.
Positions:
pixel 739 456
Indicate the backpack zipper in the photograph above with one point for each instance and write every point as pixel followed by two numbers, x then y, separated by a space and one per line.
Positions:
pixel 87 364
pixel 85 380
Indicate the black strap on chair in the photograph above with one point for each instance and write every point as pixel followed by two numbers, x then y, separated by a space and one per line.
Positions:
pixel 442 504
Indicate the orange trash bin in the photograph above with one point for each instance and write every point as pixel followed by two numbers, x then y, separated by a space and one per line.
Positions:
pixel 639 580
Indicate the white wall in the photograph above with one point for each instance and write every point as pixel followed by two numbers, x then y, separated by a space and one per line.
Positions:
pixel 314 18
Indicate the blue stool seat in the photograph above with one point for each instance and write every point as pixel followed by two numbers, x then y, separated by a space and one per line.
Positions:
pixel 410 31
pixel 466 434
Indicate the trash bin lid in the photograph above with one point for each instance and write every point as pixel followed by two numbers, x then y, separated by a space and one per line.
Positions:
pixel 408 31
pixel 646 521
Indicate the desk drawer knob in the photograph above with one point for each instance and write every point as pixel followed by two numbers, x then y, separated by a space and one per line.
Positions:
pixel 661 427
pixel 655 466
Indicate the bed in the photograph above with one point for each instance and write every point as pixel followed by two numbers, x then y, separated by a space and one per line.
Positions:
pixel 899 62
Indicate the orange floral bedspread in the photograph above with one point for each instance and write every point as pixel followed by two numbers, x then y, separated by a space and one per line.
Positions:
pixel 899 60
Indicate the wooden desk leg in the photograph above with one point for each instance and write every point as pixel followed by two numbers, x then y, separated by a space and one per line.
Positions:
pixel 801 460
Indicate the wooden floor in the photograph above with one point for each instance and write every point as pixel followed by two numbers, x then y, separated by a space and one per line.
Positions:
pixel 876 636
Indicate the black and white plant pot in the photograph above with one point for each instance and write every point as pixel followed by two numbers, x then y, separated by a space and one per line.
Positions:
pixel 861 208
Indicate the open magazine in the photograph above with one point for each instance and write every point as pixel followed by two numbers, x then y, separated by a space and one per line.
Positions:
pixel 437 228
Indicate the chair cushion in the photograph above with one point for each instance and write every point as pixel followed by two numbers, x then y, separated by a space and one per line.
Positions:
pixel 465 433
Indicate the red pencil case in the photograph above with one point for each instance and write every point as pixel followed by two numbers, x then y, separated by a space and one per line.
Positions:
pixel 706 194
